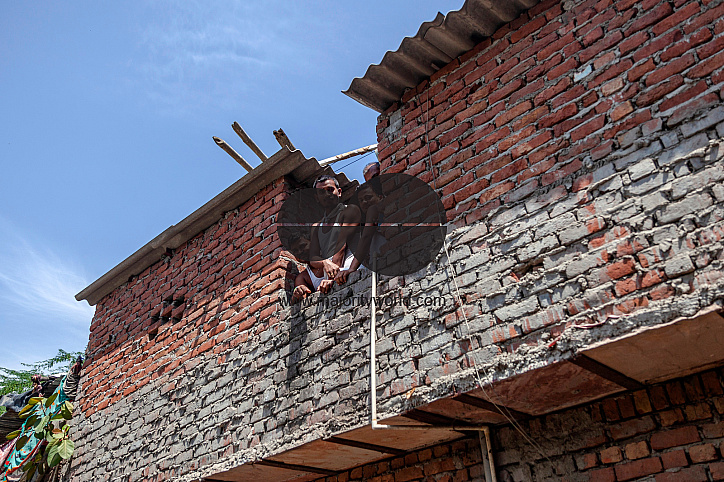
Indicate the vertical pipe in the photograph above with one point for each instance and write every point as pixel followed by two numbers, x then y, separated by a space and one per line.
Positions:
pixel 373 335
pixel 489 448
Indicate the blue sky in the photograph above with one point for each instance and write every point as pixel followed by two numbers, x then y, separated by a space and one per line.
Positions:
pixel 109 109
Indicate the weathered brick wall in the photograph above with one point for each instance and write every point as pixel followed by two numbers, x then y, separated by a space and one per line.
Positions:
pixel 575 198
pixel 580 146
pixel 180 317
pixel 672 432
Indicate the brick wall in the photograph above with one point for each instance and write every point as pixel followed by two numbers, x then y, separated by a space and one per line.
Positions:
pixel 578 155
pixel 671 432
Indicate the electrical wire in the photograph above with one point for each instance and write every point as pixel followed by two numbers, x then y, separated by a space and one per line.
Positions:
pixel 501 408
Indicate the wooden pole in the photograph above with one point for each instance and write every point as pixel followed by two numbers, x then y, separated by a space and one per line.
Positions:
pixel 283 140
pixel 247 140
pixel 235 155
pixel 347 155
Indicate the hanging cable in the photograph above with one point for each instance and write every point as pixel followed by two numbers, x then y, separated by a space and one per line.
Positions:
pixel 504 410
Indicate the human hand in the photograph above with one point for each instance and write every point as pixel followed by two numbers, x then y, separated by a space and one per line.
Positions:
pixel 330 268
pixel 342 276
pixel 300 292
pixel 326 285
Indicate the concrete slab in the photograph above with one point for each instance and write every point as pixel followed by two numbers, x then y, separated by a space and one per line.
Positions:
pixel 328 455
pixel 407 440
pixel 461 411
pixel 655 354
pixel 548 389
pixel 262 473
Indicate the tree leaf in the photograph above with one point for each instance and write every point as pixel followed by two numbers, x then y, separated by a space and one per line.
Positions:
pixel 49 401
pixel 54 457
pixel 66 412
pixel 25 411
pixel 34 400
pixel 65 448
pixel 32 420
pixel 12 435
pixel 20 443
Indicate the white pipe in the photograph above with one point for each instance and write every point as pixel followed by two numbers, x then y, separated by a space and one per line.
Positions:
pixel 347 155
pixel 373 354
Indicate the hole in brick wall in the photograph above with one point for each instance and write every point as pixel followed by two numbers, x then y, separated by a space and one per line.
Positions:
pixel 152 334
pixel 111 339
pixel 416 362
pixel 530 267
pixel 178 301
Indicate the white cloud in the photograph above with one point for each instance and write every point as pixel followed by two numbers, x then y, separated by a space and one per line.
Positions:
pixel 35 280
pixel 196 53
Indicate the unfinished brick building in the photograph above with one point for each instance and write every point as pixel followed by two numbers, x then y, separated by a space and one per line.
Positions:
pixel 576 147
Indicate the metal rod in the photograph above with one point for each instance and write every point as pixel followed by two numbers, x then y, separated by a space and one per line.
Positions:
pixel 234 155
pixel 347 155
pixel 247 140
pixel 373 355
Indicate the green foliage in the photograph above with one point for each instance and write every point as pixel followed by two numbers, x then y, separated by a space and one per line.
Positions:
pixel 18 381
pixel 52 430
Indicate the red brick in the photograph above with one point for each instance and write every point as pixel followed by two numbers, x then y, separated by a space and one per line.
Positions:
pixel 611 455
pixel 678 18
pixel 690 108
pixel 637 450
pixel 706 18
pixel 652 94
pixel 702 453
pixel 674 438
pixel 509 114
pixel 603 475
pixel 632 427
pixel 691 474
pixel 552 91
pixel 676 458
pixel 717 470
pixel 658 13
pixel 684 96
pixel 608 41
pixel 558 116
pixel 638 468
pixel 633 42
pixel 679 48
pixel 674 67
pixel 706 67
pixel 657 45
pixel 640 70
pixel 621 111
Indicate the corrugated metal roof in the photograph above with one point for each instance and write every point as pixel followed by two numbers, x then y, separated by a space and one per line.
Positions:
pixel 436 44
pixel 284 162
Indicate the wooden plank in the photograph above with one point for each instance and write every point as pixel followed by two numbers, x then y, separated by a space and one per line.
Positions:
pixel 234 155
pixel 247 140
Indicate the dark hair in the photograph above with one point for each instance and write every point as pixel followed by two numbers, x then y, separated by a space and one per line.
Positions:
pixel 325 177
pixel 375 184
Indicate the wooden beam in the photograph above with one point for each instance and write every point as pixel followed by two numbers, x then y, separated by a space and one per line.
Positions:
pixel 347 155
pixel 299 468
pixel 364 445
pixel 433 418
pixel 283 140
pixel 234 155
pixel 489 406
pixel 606 372
pixel 247 140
